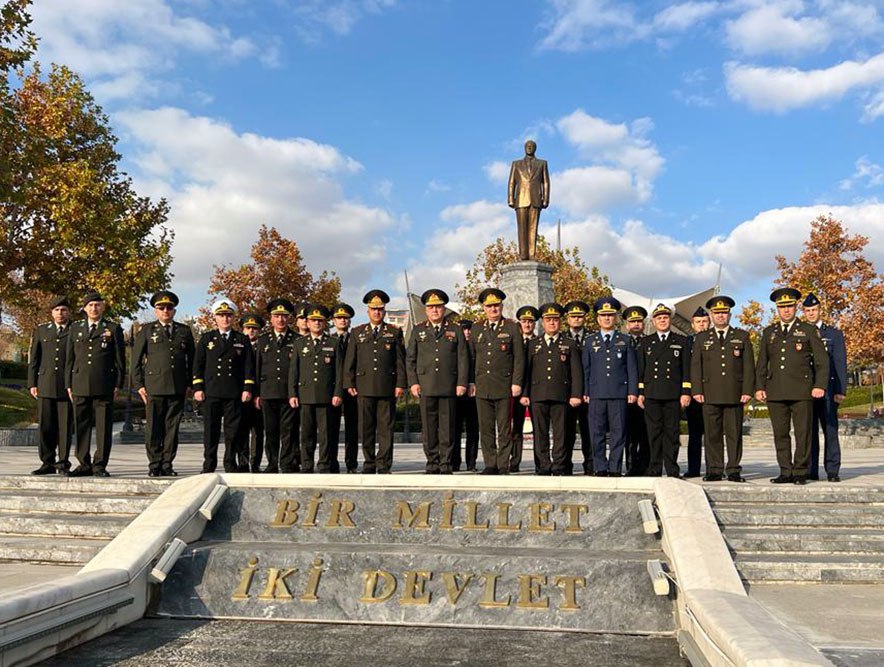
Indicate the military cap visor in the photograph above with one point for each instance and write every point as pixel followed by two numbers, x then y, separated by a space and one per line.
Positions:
pixel 343 310
pixel 635 314
pixel 551 310
pixel 317 313
pixel 60 301
pixel 491 296
pixel 662 309
pixel 92 296
pixel 720 304
pixel 434 297
pixel 527 313
pixel 607 305
pixel 223 307
pixel 466 324
pixel 164 298
pixel 251 320
pixel 578 308
pixel 280 307
pixel 785 297
pixel 376 298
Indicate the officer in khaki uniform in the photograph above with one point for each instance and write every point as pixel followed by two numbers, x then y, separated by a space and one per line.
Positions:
pixel 250 441
pixel 498 367
pixel 223 380
pixel 792 370
pixel 578 417
pixel 638 452
pixel 467 418
pixel 527 316
pixel 342 314
pixel 722 382
pixel 438 365
pixel 553 383
pixel 315 388
pixel 162 370
pixel 374 372
pixel 46 380
pixel 664 388
pixel 95 367
pixel 273 353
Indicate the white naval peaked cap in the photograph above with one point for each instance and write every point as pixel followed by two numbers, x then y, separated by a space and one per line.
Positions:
pixel 223 306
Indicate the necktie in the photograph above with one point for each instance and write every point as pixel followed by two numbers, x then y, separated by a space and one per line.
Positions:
pixel 607 338
pixel 437 330
pixel 721 337
pixel 663 338
pixel 59 332
pixel 549 342
pixel 315 342
pixel 168 330
pixel 493 327
pixel 224 336
pixel 92 328
pixel 785 329
pixel 374 332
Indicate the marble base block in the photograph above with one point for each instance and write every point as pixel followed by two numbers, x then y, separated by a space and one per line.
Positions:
pixel 526 283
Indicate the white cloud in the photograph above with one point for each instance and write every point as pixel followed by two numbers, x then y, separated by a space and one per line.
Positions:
pixel 497 172
pixel 867 173
pixel 436 185
pixel 676 18
pixel 775 28
pixel 573 25
pixel 316 17
pixel 585 190
pixel 873 107
pixel 222 185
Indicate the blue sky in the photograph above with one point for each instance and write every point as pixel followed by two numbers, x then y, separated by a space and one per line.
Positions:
pixel 378 133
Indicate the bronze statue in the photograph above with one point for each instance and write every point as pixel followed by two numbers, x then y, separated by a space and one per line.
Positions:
pixel 528 192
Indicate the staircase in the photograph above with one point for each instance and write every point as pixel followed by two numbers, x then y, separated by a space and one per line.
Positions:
pixel 65 520
pixel 821 533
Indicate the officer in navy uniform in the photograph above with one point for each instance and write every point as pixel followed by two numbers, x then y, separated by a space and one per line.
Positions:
pixel 578 417
pixel 273 353
pixel 553 382
pixel 792 370
pixel 610 384
pixel 46 380
pixel 664 388
pixel 722 382
pixel 694 411
pixel 498 367
pixel 342 315
pixel 316 388
pixel 224 378
pixel 437 361
pixel 374 372
pixel 467 418
pixel 162 370
pixel 95 368
pixel 527 316
pixel 638 451
pixel 825 410
pixel 250 441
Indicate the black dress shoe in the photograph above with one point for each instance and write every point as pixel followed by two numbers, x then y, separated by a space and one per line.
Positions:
pixel 456 468
pixel 243 467
pixel 782 479
pixel 601 473
pixel 834 478
pixel 102 473
pixel 735 477
pixel 255 470
pixel 446 471
pixel 352 471
pixel 691 475
pixel 514 469
pixel 802 480
pixel 432 471
pixel 154 473
pixel 814 478
pixel 471 468
pixel 45 469
pixel 490 471
pixel 64 472
pixel 711 477
pixel 169 472
pixel 271 470
pixel 81 471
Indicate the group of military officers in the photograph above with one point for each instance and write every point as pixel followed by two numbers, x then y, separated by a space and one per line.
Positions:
pixel 281 392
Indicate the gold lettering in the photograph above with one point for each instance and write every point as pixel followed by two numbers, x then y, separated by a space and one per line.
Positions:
pixel 276 588
pixel 419 518
pixel 489 599
pixel 540 518
pixel 414 589
pixel 312 511
pixel 452 590
pixel 286 514
pixel 313 581
pixel 472 521
pixel 503 518
pixel 245 580
pixel 529 592
pixel 369 590
pixel 339 516
pixel 574 511
pixel 569 587
pixel 448 505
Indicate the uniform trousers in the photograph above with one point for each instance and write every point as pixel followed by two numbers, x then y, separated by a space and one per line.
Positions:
pixel 97 411
pixel 578 420
pixel 497 445
pixel 550 415
pixel 213 410
pixel 825 416
pixel 316 426
pixel 467 419
pixel 694 414
pixel 638 449
pixel 800 415
pixel 724 425
pixel 56 423
pixel 437 417
pixel 349 409
pixel 376 414
pixel 520 413
pixel 250 441
pixel 163 418
pixel 662 418
pixel 607 416
pixel 279 419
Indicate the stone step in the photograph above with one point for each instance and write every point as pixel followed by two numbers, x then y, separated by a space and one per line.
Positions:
pixel 90 485
pixel 811 568
pixel 62 525
pixel 799 514
pixel 822 492
pixel 42 501
pixel 777 541
pixel 62 551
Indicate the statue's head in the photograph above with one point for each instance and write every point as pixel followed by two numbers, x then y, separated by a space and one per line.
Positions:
pixel 530 147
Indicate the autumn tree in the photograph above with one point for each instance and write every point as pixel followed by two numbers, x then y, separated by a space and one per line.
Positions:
pixel 277 270
pixel 851 292
pixel 572 278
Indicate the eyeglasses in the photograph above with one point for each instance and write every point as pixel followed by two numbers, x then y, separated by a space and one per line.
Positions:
pixel 223 314
pixel 165 307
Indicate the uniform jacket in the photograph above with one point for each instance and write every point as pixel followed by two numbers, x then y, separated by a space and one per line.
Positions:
pixel 498 359
pixel 581 343
pixel 722 373
pixel 664 369
pixel 95 364
pixel 272 360
pixel 439 364
pixel 375 366
pixel 224 369
pixel 163 364
pixel 528 183
pixel 833 340
pixel 316 371
pixel 46 360
pixel 609 371
pixel 790 366
pixel 555 372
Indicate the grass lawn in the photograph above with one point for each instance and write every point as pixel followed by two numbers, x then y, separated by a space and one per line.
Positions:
pixel 16 407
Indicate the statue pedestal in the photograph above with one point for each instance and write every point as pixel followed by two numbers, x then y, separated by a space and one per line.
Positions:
pixel 526 283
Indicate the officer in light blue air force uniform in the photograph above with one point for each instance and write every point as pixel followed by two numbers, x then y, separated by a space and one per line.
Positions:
pixel 610 376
